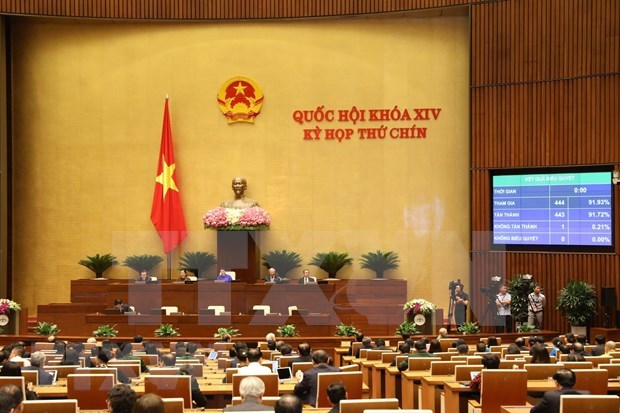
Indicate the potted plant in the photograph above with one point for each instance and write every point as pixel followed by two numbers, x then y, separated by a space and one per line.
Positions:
pixel 167 330
pixel 197 262
pixel 469 328
pixel 222 331
pixel 283 261
pixel 331 262
pixel 45 328
pixel 526 328
pixel 105 331
pixel 519 288
pixel 344 330
pixel 380 262
pixel 406 329
pixel 144 262
pixel 579 302
pixel 99 263
pixel 287 330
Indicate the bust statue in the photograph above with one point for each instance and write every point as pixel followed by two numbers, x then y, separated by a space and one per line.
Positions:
pixel 239 185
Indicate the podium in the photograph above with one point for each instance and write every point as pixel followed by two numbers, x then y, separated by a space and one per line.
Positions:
pixel 239 251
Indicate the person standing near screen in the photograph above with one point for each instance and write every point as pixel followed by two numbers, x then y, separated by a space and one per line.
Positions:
pixel 502 300
pixel 535 306
pixel 461 301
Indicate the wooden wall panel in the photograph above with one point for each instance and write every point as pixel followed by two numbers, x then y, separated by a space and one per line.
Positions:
pixel 545 81
pixel 215 9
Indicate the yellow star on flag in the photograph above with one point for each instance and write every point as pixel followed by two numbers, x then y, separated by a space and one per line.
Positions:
pixel 165 178
pixel 240 88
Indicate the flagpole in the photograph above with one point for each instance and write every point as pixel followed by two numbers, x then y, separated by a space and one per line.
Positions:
pixel 169 265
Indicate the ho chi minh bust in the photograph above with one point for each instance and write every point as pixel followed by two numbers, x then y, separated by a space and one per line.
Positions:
pixel 239 185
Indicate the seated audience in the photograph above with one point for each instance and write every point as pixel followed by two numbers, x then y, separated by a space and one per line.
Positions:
pixel 609 347
pixel 12 369
pixel 564 380
pixel 335 393
pixel 490 361
pixel 435 346
pixel 539 354
pixel 306 388
pixel 37 361
pixel 121 399
pixel 255 357
pixel 251 390
pixel 599 350
pixel 17 354
pixel 149 403
pixel 198 398
pixel 366 344
pixel 17 399
pixel 380 344
pixel 481 347
pixel 305 356
pixel 288 403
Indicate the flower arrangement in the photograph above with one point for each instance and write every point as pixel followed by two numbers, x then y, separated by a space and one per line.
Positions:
pixel 419 306
pixel 6 305
pixel 233 219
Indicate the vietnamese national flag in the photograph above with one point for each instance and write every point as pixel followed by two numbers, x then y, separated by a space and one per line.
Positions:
pixel 166 212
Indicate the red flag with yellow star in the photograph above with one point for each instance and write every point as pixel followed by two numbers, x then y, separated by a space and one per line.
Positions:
pixel 166 212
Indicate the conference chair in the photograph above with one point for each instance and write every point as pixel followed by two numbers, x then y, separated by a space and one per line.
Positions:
pixel 570 403
pixel 90 390
pixel 354 347
pixel 173 404
pixel 542 371
pixel 284 361
pixel 99 370
pixel 421 363
pixel 149 359
pixel 493 392
pixel 198 369
pixel 163 371
pixel 352 381
pixel 19 381
pixel 349 367
pixel 223 364
pixel 463 373
pixel 267 401
pixel 50 406
pixel 42 345
pixel 229 373
pixel 577 364
pixel 361 405
pixel 264 308
pixel 301 366
pixel 32 376
pixel 446 343
pixel 223 346
pixel 594 380
pixel 474 360
pixel 444 355
pixel 613 370
pixel 170 386
pixel 388 357
pixel 373 355
pixel 509 364
pixel 271 381
pixel 169 309
pixel 444 368
pixel 596 360
pixel 61 371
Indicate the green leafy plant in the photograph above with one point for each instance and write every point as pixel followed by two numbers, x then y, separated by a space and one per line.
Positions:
pixel 105 331
pixel 519 288
pixel 222 331
pixel 197 262
pixel 282 260
pixel 469 328
pixel 345 330
pixel 380 262
pixel 331 262
pixel 144 262
pixel 287 330
pixel 167 330
pixel 98 263
pixel 526 328
pixel 578 301
pixel 45 328
pixel 406 328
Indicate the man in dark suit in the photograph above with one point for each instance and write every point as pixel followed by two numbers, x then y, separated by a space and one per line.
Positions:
pixel 306 279
pixel 599 350
pixel 118 303
pixel 304 351
pixel 366 344
pixel 37 361
pixel 272 276
pixel 565 380
pixel 251 389
pixel 306 389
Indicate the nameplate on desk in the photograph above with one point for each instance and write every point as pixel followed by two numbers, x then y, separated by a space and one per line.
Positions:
pixel 301 311
pixel 157 311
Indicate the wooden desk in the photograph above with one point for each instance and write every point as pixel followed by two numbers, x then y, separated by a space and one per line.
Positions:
pixel 339 353
pixel 410 381
pixel 515 409
pixel 377 378
pixel 392 383
pixel 430 397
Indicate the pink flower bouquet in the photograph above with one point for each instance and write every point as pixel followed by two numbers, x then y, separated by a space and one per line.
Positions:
pixel 232 219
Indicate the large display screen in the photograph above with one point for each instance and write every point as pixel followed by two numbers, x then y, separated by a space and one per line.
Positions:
pixel 571 209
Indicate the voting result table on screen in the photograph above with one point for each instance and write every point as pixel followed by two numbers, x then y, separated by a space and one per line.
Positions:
pixel 553 209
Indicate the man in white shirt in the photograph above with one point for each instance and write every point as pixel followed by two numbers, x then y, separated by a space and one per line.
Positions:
pixel 255 357
pixel 17 354
pixel 535 306
pixel 502 301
